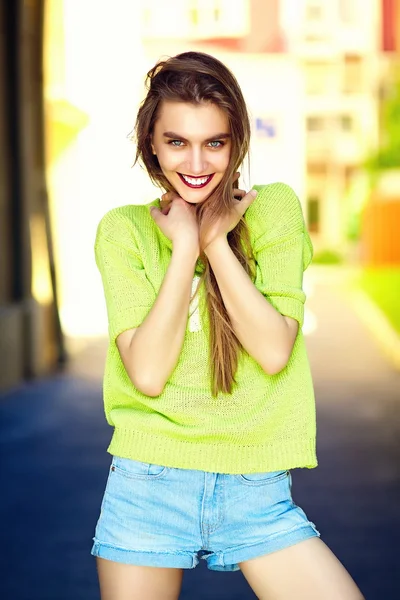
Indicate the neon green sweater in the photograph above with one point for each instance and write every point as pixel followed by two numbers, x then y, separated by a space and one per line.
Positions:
pixel 268 422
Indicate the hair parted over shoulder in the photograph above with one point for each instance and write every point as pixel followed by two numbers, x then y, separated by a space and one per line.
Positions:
pixel 196 77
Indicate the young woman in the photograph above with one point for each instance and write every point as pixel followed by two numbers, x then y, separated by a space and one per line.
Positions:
pixel 207 382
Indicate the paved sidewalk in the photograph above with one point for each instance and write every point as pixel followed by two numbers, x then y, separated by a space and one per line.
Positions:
pixel 53 437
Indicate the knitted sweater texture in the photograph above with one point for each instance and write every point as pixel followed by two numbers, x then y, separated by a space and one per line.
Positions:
pixel 268 422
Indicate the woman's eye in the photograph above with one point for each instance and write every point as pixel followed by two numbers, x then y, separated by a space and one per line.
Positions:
pixel 213 144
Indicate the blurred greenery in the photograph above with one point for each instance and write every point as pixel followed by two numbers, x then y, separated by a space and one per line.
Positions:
pixel 327 257
pixel 353 230
pixel 388 154
pixel 355 199
pixel 383 287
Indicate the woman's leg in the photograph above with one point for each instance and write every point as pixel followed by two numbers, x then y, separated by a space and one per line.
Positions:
pixel 131 582
pixel 306 571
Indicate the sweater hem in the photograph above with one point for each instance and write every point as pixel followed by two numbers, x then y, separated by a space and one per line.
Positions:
pixel 225 458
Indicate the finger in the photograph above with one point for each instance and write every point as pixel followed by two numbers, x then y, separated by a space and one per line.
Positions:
pixel 239 193
pixel 156 214
pixel 243 204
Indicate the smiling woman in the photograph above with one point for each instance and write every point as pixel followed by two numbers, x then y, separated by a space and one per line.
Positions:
pixel 212 401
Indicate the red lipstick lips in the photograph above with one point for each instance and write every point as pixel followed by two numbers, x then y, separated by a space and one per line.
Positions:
pixel 196 187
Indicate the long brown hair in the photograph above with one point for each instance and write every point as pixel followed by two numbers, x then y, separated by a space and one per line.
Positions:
pixel 197 77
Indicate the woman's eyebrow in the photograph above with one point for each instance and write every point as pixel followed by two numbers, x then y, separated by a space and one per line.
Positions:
pixel 176 136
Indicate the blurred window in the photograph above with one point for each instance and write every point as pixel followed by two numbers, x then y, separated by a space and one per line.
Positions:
pixel 200 18
pixel 213 12
pixel 315 124
pixel 353 75
pixel 346 122
pixel 316 22
pixel 314 11
pixel 313 214
pixel 317 170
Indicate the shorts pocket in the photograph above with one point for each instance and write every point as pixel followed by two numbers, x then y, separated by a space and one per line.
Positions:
pixel 136 469
pixel 264 478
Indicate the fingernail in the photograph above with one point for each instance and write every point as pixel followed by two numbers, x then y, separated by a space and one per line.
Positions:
pixel 254 193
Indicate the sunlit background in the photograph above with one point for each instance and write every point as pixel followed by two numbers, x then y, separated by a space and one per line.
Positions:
pixel 322 84
pixel 317 77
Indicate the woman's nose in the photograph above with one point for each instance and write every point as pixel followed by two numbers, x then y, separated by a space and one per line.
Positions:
pixel 197 162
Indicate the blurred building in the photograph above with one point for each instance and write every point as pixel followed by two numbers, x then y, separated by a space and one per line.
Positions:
pixel 380 241
pixel 390 26
pixel 389 43
pixel 337 44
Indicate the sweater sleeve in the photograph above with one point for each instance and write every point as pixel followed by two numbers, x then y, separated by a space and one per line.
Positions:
pixel 128 293
pixel 283 249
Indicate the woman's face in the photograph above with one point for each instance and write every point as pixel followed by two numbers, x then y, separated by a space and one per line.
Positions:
pixel 193 145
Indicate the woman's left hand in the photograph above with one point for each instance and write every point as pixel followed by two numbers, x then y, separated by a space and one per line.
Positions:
pixel 225 224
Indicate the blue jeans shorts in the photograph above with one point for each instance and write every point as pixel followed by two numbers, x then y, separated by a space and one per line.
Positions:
pixel 166 517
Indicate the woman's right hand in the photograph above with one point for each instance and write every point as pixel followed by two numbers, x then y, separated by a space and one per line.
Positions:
pixel 177 220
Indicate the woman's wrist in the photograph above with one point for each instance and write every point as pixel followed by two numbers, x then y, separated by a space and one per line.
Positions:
pixel 217 242
pixel 188 252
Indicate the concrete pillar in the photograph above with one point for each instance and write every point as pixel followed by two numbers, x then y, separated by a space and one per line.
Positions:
pixel 25 326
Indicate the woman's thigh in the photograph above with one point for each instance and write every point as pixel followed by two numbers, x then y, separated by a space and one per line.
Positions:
pixel 306 571
pixel 119 581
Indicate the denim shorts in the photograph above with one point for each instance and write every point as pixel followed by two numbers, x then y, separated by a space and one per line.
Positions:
pixel 166 517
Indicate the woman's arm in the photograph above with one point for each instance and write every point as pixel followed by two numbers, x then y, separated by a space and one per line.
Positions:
pixel 151 351
pixel 264 333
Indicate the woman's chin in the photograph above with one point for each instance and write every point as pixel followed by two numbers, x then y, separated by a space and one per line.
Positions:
pixel 193 196
pixel 196 196
pixel 196 200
